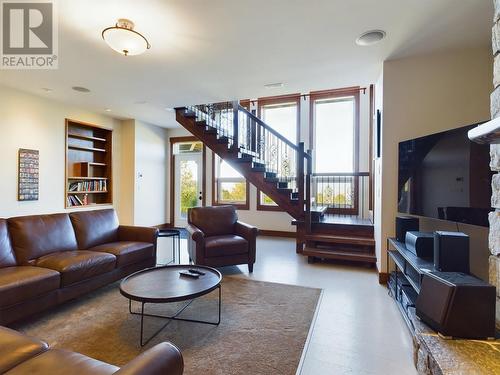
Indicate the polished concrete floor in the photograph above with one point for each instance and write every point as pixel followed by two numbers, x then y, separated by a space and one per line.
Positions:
pixel 358 328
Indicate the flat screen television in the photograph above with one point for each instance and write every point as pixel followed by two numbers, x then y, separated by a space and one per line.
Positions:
pixel 445 176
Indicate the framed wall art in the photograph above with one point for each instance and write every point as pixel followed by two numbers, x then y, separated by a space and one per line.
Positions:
pixel 28 179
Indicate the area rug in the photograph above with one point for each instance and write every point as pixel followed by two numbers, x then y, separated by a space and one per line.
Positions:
pixel 263 330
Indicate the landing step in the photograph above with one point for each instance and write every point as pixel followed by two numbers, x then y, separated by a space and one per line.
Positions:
pixel 340 255
pixel 348 240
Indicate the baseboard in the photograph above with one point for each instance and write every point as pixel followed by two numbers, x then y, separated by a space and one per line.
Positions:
pixel 277 233
pixel 383 277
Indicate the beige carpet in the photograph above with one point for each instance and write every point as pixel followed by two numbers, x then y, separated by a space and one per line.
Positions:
pixel 263 330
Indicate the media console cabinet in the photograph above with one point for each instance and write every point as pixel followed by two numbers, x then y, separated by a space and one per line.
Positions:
pixel 432 354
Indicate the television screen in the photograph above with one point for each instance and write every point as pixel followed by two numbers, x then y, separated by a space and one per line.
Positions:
pixel 445 176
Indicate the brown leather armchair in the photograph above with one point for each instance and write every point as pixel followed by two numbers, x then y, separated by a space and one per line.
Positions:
pixel 20 354
pixel 217 238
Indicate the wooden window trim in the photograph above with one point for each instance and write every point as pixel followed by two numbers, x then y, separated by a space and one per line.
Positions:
pixel 270 100
pixel 337 93
pixel 215 202
pixel 174 140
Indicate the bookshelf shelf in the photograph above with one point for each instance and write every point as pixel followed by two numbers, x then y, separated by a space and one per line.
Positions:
pixel 88 192
pixel 88 165
pixel 82 148
pixel 87 178
pixel 86 137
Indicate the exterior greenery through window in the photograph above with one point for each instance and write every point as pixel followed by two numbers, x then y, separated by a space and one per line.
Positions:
pixel 230 187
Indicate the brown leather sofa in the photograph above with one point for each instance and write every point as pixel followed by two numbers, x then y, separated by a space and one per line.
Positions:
pixel 46 260
pixel 217 238
pixel 20 354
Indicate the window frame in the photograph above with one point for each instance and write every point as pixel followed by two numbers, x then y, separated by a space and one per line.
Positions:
pixel 215 185
pixel 274 100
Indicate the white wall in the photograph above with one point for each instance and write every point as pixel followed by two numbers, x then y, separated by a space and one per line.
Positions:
pixel 423 95
pixel 29 121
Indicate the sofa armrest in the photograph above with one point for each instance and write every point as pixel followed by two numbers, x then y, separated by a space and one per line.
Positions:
pixel 246 231
pixel 195 233
pixel 141 234
pixel 164 358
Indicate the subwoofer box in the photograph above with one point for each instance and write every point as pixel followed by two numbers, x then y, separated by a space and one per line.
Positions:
pixel 405 224
pixel 457 305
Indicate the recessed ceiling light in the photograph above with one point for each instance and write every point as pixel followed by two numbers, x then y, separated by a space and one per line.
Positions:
pixel 46 89
pixel 273 85
pixel 124 39
pixel 80 89
pixel 108 109
pixel 370 37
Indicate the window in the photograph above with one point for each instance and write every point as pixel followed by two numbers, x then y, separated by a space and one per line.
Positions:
pixel 282 114
pixel 335 119
pixel 229 186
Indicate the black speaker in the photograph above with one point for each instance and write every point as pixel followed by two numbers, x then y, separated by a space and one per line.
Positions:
pixel 405 224
pixel 457 305
pixel 420 243
pixel 451 251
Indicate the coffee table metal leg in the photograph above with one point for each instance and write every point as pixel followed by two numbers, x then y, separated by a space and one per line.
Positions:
pixel 173 317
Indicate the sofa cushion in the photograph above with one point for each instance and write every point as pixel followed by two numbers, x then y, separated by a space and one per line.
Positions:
pixel 78 265
pixel 95 228
pixel 36 236
pixel 217 246
pixel 213 221
pixel 7 258
pixel 16 348
pixel 20 283
pixel 62 362
pixel 127 252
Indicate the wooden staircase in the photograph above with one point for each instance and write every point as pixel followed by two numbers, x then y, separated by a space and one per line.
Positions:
pixel 282 171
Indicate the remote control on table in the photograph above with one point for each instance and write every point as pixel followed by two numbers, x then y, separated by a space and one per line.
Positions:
pixel 189 274
pixel 198 272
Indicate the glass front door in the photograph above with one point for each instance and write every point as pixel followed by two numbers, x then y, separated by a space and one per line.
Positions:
pixel 188 185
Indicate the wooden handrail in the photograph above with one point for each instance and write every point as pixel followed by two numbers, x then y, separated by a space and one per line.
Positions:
pixel 268 128
pixel 341 174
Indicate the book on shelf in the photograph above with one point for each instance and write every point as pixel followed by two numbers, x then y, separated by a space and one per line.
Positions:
pixel 91 185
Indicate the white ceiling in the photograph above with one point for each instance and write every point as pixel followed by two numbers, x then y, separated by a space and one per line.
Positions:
pixel 205 51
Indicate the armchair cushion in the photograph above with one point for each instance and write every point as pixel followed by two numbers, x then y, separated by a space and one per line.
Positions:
pixel 62 362
pixel 227 245
pixel 15 348
pixel 213 221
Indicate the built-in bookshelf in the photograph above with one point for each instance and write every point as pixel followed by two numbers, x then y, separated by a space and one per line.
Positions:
pixel 88 165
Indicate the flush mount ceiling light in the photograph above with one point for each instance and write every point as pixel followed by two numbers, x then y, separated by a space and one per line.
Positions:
pixel 124 39
pixel 80 89
pixel 370 37
pixel 273 85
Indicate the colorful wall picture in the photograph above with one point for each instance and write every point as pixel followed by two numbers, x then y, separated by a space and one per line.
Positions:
pixel 28 175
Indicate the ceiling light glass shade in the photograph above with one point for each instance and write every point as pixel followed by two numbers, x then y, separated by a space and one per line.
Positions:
pixel 124 39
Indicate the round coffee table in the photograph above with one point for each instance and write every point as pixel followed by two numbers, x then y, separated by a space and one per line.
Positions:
pixel 166 285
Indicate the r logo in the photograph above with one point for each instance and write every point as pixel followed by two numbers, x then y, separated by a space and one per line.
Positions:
pixel 27 28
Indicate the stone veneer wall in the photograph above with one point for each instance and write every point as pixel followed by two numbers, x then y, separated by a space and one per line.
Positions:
pixel 494 236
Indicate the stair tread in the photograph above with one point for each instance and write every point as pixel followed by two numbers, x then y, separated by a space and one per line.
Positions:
pixel 340 239
pixel 339 254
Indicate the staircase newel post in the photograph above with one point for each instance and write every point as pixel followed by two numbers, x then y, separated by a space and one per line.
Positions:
pixel 236 137
pixel 300 177
pixel 308 191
